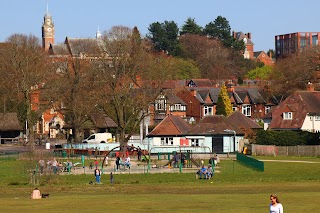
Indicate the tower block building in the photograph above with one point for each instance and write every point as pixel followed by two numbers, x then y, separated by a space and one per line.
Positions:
pixel 47 31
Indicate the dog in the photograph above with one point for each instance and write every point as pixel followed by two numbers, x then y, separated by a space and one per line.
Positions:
pixel 45 195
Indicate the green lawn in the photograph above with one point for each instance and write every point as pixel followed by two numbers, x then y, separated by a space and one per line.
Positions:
pixel 235 189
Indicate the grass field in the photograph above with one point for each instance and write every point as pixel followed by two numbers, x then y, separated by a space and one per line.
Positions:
pixel 235 189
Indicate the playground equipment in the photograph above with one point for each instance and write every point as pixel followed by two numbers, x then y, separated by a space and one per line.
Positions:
pixel 133 151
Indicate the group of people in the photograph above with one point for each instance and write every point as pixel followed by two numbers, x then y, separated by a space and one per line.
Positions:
pixel 205 173
pixel 214 160
pixel 176 158
pixel 52 166
pixel 123 161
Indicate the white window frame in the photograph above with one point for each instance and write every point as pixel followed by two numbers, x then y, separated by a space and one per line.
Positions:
pixel 287 116
pixel 267 109
pixel 167 141
pixel 160 104
pixel 207 110
pixel 246 110
pixel 194 142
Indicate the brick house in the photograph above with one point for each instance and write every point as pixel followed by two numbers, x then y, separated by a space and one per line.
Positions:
pixel 261 56
pixel 300 111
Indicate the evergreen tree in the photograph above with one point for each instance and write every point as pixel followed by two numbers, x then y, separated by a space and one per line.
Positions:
pixel 191 27
pixel 221 30
pixel 164 36
pixel 224 106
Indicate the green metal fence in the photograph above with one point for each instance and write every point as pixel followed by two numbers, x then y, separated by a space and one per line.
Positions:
pixel 250 162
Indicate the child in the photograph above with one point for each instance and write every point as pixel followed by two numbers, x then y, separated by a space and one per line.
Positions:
pixel 111 178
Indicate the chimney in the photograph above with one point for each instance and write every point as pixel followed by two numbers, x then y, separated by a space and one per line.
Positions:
pixel 193 92
pixel 249 35
pixel 310 87
pixel 234 34
pixel 230 87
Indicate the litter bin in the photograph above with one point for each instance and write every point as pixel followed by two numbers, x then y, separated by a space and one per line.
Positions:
pixel 64 153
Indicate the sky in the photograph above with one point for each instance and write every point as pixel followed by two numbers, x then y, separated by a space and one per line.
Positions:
pixel 82 18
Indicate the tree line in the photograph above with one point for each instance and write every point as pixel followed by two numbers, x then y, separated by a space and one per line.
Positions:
pixel 111 83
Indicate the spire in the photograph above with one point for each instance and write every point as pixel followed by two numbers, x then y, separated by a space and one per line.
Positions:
pixel 98 34
pixel 47 13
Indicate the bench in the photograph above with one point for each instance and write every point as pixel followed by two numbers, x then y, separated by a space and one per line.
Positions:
pixel 125 165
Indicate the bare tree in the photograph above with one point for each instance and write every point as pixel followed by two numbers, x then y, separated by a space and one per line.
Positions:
pixel 72 89
pixel 213 59
pixel 128 80
pixel 295 71
pixel 23 69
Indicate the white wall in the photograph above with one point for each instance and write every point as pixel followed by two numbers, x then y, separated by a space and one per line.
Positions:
pixel 311 124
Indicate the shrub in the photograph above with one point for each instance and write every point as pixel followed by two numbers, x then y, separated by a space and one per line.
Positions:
pixel 287 138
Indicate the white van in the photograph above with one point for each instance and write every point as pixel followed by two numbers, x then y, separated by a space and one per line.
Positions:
pixel 98 138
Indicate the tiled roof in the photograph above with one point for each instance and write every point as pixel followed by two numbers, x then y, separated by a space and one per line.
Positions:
pixel 300 104
pixel 256 54
pixel 240 36
pixel 171 125
pixel 201 82
pixel 59 49
pixel 173 99
pixel 242 121
pixel 102 121
pixel 212 125
pixel 9 121
pixel 90 46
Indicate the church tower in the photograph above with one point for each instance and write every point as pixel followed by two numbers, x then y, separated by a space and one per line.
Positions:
pixel 47 31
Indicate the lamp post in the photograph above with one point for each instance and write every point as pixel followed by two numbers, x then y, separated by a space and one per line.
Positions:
pixel 234 137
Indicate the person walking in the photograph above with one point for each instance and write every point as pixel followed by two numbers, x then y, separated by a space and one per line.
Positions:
pixel 111 178
pixel 139 153
pixel 106 161
pixel 41 165
pixel 96 163
pixel 55 166
pixel 97 174
pixel 275 205
pixel 118 162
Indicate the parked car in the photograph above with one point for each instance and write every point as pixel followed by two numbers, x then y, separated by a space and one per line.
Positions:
pixel 98 138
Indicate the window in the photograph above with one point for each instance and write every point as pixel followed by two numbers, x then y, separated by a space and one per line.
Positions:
pixel 160 103
pixel 234 108
pixel 166 141
pixel 177 107
pixel 194 142
pixel 316 118
pixel 246 110
pixel 208 110
pixel 267 109
pixel 287 115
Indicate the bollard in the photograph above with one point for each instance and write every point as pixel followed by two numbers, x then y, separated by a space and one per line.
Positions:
pixel 158 155
pixel 168 155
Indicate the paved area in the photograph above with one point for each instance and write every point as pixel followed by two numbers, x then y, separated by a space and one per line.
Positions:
pixel 137 166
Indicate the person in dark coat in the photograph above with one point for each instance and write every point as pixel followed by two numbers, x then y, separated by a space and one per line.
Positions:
pixel 118 162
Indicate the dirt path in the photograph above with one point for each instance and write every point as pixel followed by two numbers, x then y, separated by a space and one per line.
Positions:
pixel 291 161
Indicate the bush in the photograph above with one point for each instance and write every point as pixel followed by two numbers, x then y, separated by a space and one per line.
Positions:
pixel 287 138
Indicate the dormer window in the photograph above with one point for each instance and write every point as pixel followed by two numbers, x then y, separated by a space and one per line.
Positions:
pixel 208 110
pixel 287 116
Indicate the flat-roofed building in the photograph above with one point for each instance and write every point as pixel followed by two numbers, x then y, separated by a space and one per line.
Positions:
pixel 287 44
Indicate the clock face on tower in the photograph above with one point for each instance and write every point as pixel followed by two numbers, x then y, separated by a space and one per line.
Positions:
pixel 49 29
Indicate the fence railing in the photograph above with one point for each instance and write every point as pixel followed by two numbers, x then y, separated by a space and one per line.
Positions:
pixel 250 162
pixel 306 150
